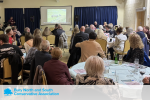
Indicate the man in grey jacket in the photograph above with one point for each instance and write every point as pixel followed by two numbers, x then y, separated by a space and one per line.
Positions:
pixel 90 29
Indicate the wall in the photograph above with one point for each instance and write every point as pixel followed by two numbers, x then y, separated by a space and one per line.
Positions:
pixel 130 12
pixel 74 3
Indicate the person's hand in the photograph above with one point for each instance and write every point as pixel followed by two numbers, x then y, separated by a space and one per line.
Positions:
pixel 146 80
pixel 20 46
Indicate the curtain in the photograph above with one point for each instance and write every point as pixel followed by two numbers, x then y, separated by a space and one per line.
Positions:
pixel 87 15
pixel 17 14
pixel 29 12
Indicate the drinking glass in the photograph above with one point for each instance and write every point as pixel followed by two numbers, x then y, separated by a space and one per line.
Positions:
pixel 120 59
pixel 136 64
pixel 131 72
pixel 142 71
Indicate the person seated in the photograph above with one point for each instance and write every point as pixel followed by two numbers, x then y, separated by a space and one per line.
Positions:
pixel 8 27
pixel 90 47
pixel 100 34
pixel 76 26
pixel 140 32
pixel 118 46
pixel 86 26
pixel 128 32
pixel 6 48
pixel 105 24
pixel 75 31
pixel 94 67
pixel 37 32
pixel 108 30
pixel 96 25
pixel 57 72
pixel 146 30
pixel 26 30
pixel 14 28
pixel 90 29
pixel 59 31
pixel 11 35
pixel 136 51
pixel 46 32
pixel 31 53
pixel 28 41
pixel 81 35
pixel 43 56
pixel 56 27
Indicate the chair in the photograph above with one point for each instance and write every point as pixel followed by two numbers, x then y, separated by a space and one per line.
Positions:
pixel 44 37
pixel 103 44
pixel 7 74
pixel 1 32
pixel 52 28
pixel 44 78
pixel 22 38
pixel 126 48
pixel 51 39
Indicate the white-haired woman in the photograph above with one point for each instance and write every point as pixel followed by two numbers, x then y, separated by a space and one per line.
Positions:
pixel 100 33
pixel 94 67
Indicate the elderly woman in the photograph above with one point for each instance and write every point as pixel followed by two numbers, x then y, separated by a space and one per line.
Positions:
pixel 31 53
pixel 94 68
pixel 136 51
pixel 57 72
pixel 37 32
pixel 119 42
pixel 28 41
pixel 100 34
pixel 128 32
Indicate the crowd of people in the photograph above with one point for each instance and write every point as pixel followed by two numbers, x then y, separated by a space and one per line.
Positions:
pixel 83 48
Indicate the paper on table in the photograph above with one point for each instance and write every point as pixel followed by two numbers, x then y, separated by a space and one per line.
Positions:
pixel 132 83
pixel 80 71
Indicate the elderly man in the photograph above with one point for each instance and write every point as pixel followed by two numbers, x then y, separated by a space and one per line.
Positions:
pixel 43 56
pixel 140 32
pixel 90 29
pixel 90 47
pixel 96 25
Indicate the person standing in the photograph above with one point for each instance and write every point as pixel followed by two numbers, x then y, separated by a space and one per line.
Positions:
pixel 11 35
pixel 11 21
pixel 140 32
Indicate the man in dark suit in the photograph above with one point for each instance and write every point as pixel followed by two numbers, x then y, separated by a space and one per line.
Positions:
pixel 140 32
pixel 57 33
pixel 90 29
pixel 80 35
pixel 96 25
pixel 56 27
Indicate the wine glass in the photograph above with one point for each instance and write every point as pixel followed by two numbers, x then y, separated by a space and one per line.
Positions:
pixel 120 59
pixel 142 71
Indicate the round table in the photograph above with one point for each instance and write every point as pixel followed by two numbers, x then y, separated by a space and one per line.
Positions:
pixel 119 74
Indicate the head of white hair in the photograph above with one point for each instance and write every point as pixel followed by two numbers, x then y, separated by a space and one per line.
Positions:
pixel 76 26
pixel 100 26
pixel 140 28
pixel 45 45
pixel 92 27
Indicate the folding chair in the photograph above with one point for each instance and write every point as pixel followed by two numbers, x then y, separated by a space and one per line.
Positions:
pixel 51 39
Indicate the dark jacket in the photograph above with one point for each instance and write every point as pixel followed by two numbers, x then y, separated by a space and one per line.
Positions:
pixel 88 30
pixel 57 33
pixel 110 32
pixel 97 26
pixel 78 37
pixel 146 45
pixel 141 34
pixel 57 73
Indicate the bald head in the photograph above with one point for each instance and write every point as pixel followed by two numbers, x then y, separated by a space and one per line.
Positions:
pixel 82 29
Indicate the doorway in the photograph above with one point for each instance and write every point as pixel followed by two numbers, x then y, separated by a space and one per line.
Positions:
pixel 140 18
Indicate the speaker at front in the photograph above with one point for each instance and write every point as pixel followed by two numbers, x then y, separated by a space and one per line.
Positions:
pixel 76 18
pixel 32 18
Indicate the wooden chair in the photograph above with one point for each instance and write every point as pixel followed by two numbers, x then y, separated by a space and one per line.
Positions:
pixel 7 73
pixel 44 37
pixel 51 39
pixel 44 78
pixel 22 38
pixel 126 48
pixel 1 32
pixel 52 28
pixel 103 44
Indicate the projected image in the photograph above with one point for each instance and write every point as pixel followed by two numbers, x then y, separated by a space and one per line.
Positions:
pixel 56 15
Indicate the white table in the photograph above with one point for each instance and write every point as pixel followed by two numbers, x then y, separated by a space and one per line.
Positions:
pixel 121 71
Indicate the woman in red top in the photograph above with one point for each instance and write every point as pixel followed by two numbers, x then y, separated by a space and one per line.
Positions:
pixel 11 35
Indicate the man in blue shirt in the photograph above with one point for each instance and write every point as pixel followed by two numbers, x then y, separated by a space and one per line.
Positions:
pixel 140 32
